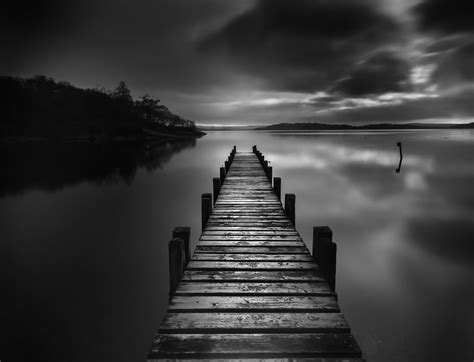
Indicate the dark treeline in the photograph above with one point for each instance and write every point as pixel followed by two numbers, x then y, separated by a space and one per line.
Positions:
pixel 51 167
pixel 42 107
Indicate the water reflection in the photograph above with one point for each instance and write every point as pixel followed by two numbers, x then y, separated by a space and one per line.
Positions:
pixel 405 240
pixel 86 266
pixel 52 167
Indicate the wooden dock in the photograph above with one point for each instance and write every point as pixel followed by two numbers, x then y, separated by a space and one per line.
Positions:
pixel 251 290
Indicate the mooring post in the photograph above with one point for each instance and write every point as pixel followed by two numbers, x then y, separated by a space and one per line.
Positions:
pixel 226 166
pixel 184 233
pixel 176 263
pixel 254 148
pixel 270 173
pixel 206 208
pixel 277 187
pixel 290 207
pixel 216 187
pixel 222 174
pixel 324 253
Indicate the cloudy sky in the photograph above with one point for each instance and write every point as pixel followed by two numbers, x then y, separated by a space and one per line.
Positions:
pixel 257 61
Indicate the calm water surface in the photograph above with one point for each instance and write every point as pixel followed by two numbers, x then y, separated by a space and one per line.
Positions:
pixel 84 233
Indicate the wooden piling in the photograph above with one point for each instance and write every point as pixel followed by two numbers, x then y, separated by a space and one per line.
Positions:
pixel 216 187
pixel 290 207
pixel 270 173
pixel 206 208
pixel 222 174
pixel 324 253
pixel 226 166
pixel 184 233
pixel 277 186
pixel 176 263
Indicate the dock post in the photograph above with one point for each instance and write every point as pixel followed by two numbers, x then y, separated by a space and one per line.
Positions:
pixel 184 233
pixel 176 263
pixel 226 166
pixel 277 186
pixel 216 187
pixel 290 207
pixel 254 148
pixel 270 173
pixel 206 208
pixel 324 253
pixel 222 174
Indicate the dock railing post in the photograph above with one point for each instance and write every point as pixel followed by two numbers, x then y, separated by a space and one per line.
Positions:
pixel 270 173
pixel 206 208
pixel 324 253
pixel 222 174
pixel 176 263
pixel 290 207
pixel 184 233
pixel 216 187
pixel 277 187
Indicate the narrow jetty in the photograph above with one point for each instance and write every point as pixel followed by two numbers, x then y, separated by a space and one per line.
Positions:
pixel 251 289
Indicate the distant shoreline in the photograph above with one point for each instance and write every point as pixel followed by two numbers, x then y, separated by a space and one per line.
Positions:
pixel 346 127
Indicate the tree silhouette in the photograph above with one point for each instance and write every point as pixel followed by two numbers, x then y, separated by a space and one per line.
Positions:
pixel 122 92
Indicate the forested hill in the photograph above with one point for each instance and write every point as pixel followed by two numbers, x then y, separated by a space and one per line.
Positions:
pixel 42 107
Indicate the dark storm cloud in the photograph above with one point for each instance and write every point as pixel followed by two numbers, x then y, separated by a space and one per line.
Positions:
pixel 446 16
pixel 381 73
pixel 22 23
pixel 456 67
pixel 301 45
pixel 149 44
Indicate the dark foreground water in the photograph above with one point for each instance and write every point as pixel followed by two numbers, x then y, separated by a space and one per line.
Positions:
pixel 84 232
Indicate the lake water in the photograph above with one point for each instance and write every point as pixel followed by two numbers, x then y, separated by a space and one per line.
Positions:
pixel 84 231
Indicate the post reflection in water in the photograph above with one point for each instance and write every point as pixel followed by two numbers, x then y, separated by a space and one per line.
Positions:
pixel 87 265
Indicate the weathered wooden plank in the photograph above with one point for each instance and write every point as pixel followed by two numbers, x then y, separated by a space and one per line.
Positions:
pixel 251 250
pixel 251 237
pixel 253 288
pixel 254 323
pixel 251 265
pixel 251 243
pixel 246 232
pixel 312 276
pixel 249 218
pixel 252 303
pixel 252 257
pixel 244 346
pixel 312 359
pixel 249 225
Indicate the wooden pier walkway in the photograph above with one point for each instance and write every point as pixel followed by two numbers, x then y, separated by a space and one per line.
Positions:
pixel 252 290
